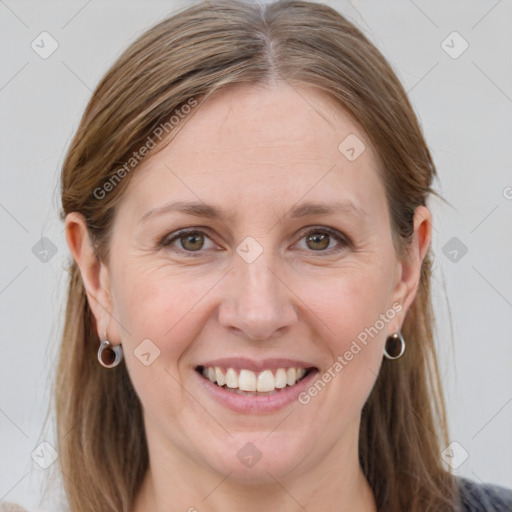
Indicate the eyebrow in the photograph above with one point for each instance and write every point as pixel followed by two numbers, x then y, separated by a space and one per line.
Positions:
pixel 199 209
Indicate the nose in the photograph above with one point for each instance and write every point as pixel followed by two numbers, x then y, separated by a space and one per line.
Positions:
pixel 258 304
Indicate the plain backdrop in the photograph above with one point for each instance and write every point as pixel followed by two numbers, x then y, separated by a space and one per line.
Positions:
pixel 464 102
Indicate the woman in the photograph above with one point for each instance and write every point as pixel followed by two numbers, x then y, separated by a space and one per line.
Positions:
pixel 249 320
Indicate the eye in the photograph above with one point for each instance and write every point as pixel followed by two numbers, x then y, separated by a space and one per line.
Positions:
pixel 189 240
pixel 319 240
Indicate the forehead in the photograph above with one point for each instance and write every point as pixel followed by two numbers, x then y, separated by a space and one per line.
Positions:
pixel 251 147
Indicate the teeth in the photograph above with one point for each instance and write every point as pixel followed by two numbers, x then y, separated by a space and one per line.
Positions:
pixel 249 381
pixel 280 378
pixel 219 377
pixel 266 381
pixel 291 376
pixel 231 379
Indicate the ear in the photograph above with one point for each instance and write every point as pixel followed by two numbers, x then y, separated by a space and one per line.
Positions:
pixel 95 276
pixel 409 266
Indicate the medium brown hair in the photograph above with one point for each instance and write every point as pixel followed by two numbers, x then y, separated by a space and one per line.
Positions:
pixel 202 49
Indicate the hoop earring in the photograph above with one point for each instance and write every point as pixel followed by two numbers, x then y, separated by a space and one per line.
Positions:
pixel 109 356
pixel 394 337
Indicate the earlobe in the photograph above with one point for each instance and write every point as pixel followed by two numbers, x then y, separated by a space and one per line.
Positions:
pixel 91 268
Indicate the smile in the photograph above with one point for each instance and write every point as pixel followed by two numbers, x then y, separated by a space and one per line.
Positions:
pixel 248 382
pixel 255 387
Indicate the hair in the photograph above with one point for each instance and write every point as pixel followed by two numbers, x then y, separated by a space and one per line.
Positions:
pixel 200 50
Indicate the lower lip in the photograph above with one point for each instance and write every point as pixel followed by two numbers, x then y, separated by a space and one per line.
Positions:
pixel 257 404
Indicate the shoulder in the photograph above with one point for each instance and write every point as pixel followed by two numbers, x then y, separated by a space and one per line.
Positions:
pixel 483 497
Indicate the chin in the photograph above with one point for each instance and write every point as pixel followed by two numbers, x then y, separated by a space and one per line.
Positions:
pixel 258 458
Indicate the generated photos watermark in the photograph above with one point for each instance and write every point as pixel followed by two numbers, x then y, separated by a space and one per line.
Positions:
pixel 157 136
pixel 344 359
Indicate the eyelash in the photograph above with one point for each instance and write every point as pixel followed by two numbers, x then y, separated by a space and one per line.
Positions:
pixel 342 239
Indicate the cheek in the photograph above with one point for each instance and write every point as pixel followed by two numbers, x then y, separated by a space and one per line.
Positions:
pixel 352 301
pixel 159 305
pixel 160 313
pixel 356 313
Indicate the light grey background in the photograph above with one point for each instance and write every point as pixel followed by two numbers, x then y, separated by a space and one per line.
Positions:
pixel 464 105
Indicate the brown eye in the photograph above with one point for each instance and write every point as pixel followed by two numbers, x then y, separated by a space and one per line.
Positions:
pixel 192 241
pixel 318 241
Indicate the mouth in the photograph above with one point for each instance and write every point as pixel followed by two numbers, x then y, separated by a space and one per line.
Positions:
pixel 247 382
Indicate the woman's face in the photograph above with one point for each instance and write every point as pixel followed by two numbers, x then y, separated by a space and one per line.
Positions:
pixel 251 290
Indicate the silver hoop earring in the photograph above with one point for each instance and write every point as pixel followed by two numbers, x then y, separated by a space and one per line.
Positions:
pixel 109 355
pixel 397 336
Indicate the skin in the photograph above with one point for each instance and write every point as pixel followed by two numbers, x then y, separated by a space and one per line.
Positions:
pixel 255 152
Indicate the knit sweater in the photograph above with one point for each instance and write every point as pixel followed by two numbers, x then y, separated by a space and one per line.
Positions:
pixel 475 497
pixel 486 497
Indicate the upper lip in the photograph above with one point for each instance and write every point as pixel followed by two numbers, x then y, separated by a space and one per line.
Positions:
pixel 240 363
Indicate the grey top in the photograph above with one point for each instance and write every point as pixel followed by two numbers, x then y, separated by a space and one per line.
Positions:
pixel 475 497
